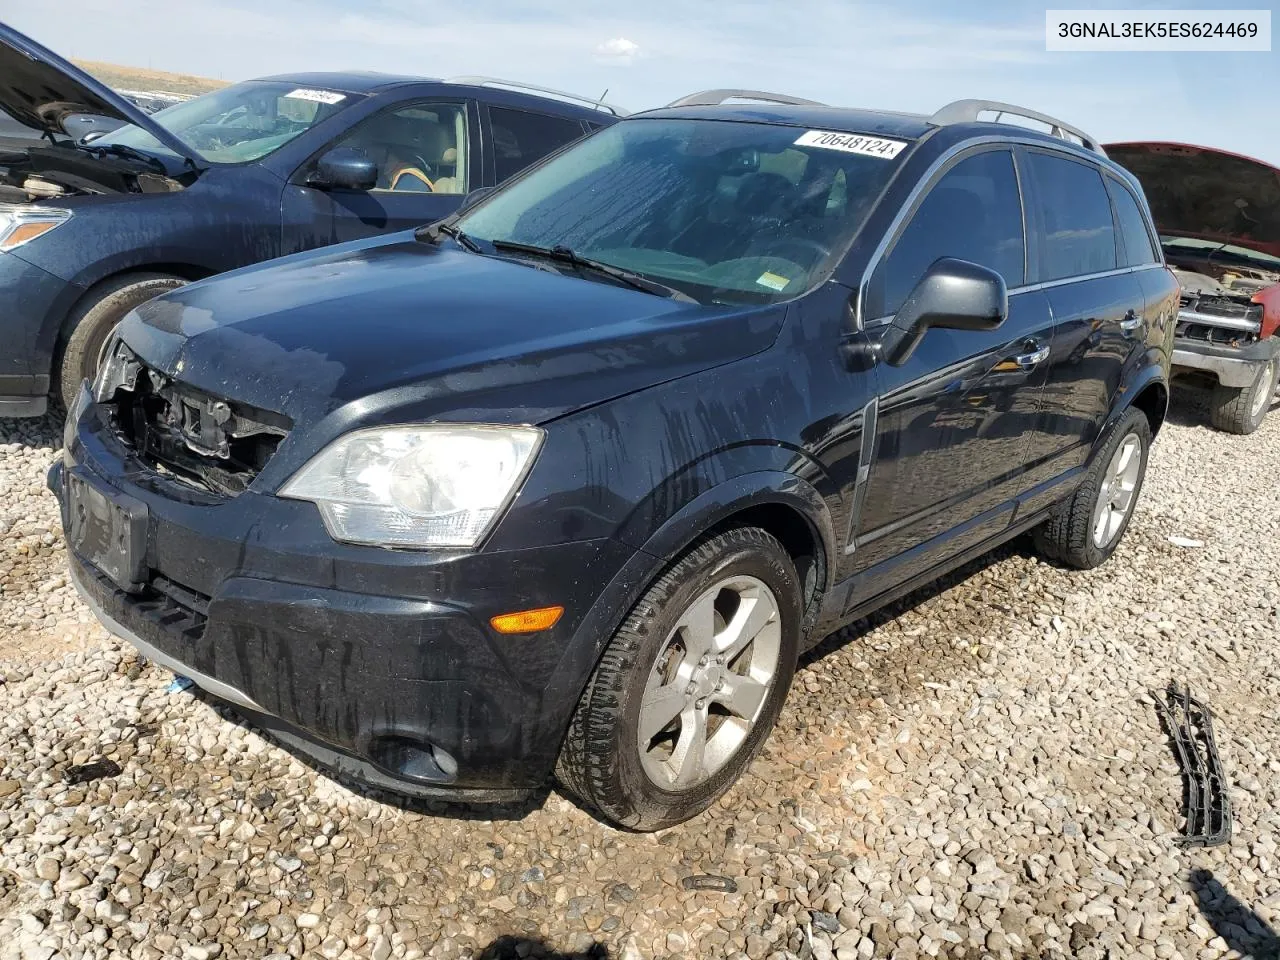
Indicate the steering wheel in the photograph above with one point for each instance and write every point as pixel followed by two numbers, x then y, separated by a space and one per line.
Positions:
pixel 797 244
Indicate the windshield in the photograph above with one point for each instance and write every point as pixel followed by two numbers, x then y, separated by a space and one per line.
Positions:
pixel 236 124
pixel 725 211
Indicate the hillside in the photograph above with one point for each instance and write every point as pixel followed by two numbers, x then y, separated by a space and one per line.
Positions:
pixel 136 78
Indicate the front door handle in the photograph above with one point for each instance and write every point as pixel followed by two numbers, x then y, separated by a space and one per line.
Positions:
pixel 1131 322
pixel 1029 360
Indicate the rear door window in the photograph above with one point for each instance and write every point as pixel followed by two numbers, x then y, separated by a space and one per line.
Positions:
pixel 1071 203
pixel 521 138
pixel 1134 235
pixel 972 213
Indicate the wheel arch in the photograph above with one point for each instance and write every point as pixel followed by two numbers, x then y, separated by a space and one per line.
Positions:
pixel 1153 400
pixel 783 504
pixel 57 328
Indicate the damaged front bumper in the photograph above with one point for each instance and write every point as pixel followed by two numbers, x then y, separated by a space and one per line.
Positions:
pixel 1233 366
pixel 377 663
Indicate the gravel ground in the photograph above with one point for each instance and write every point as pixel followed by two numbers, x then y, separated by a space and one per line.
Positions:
pixel 979 771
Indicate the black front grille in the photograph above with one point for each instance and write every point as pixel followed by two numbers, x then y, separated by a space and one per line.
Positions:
pixel 1218 336
pixel 174 607
pixel 1227 307
pixel 169 605
pixel 214 444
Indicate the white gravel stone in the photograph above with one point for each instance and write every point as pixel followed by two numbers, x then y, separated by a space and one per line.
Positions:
pixel 979 770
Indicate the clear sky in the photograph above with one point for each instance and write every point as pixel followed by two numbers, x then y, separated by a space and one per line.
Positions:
pixel 909 55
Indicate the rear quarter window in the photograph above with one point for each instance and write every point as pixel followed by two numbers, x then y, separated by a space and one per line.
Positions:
pixel 521 138
pixel 1134 235
pixel 1074 213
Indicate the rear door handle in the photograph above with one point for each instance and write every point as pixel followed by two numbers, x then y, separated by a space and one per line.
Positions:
pixel 1130 322
pixel 1029 360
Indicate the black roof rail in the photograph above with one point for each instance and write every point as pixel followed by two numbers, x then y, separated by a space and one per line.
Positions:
pixel 712 98
pixel 967 111
pixel 516 85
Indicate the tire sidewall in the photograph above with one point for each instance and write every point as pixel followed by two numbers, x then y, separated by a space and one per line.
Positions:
pixel 95 324
pixel 1265 383
pixel 649 801
pixel 1135 424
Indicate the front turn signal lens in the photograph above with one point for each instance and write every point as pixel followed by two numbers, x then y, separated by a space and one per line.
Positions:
pixel 527 621
pixel 22 224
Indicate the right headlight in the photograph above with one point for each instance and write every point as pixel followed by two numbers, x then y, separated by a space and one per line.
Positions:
pixel 430 485
pixel 21 224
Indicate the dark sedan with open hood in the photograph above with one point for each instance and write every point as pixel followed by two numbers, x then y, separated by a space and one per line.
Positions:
pixel 1218 214
pixel 90 229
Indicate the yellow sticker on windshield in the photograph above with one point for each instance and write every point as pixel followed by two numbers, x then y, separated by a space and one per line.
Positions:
pixel 772 281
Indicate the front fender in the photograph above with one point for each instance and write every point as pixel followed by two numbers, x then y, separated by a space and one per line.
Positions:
pixel 701 514
pixel 733 496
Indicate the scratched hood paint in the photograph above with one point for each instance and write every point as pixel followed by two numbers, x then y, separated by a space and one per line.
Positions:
pixel 399 329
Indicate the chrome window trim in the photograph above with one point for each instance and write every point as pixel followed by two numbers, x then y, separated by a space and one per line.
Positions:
pixel 895 227
pixel 1048 284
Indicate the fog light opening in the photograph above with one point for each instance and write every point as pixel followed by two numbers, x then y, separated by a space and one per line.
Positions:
pixel 414 759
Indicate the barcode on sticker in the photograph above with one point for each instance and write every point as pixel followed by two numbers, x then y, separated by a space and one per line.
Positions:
pixel 316 96
pixel 852 143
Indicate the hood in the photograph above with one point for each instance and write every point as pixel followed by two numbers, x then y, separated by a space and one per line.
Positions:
pixel 404 329
pixel 43 92
pixel 1207 194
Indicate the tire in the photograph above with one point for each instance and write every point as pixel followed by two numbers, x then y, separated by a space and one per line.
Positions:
pixel 1071 534
pixel 602 761
pixel 1242 409
pixel 93 319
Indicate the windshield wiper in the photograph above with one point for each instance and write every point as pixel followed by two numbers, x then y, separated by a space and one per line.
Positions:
pixel 432 232
pixel 562 254
pixel 123 150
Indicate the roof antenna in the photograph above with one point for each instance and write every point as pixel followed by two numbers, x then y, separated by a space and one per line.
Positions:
pixel 603 95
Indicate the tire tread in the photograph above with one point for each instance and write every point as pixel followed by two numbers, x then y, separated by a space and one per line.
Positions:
pixel 587 765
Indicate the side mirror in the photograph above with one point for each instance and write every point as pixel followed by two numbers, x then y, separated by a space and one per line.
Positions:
pixel 474 197
pixel 952 294
pixel 344 168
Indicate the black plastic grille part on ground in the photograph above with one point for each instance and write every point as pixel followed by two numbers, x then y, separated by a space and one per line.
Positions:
pixel 1190 726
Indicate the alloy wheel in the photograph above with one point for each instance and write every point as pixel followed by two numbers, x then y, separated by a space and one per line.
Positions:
pixel 1116 494
pixel 1266 387
pixel 709 683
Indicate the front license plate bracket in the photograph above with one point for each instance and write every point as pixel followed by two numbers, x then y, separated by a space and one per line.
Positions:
pixel 108 529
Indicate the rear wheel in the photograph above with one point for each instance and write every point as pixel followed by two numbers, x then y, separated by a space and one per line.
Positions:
pixel 1242 409
pixel 690 686
pixel 1085 530
pixel 93 320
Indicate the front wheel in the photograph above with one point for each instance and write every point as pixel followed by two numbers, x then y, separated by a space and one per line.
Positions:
pixel 690 686
pixel 93 320
pixel 1242 409
pixel 1085 530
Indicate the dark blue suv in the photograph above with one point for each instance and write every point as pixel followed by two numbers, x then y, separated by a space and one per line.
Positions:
pixel 568 481
pixel 253 171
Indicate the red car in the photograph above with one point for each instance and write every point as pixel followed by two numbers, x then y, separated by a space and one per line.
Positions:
pixel 1218 214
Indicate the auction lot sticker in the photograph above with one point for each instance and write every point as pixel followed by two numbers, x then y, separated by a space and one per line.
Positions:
pixel 316 96
pixel 852 143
